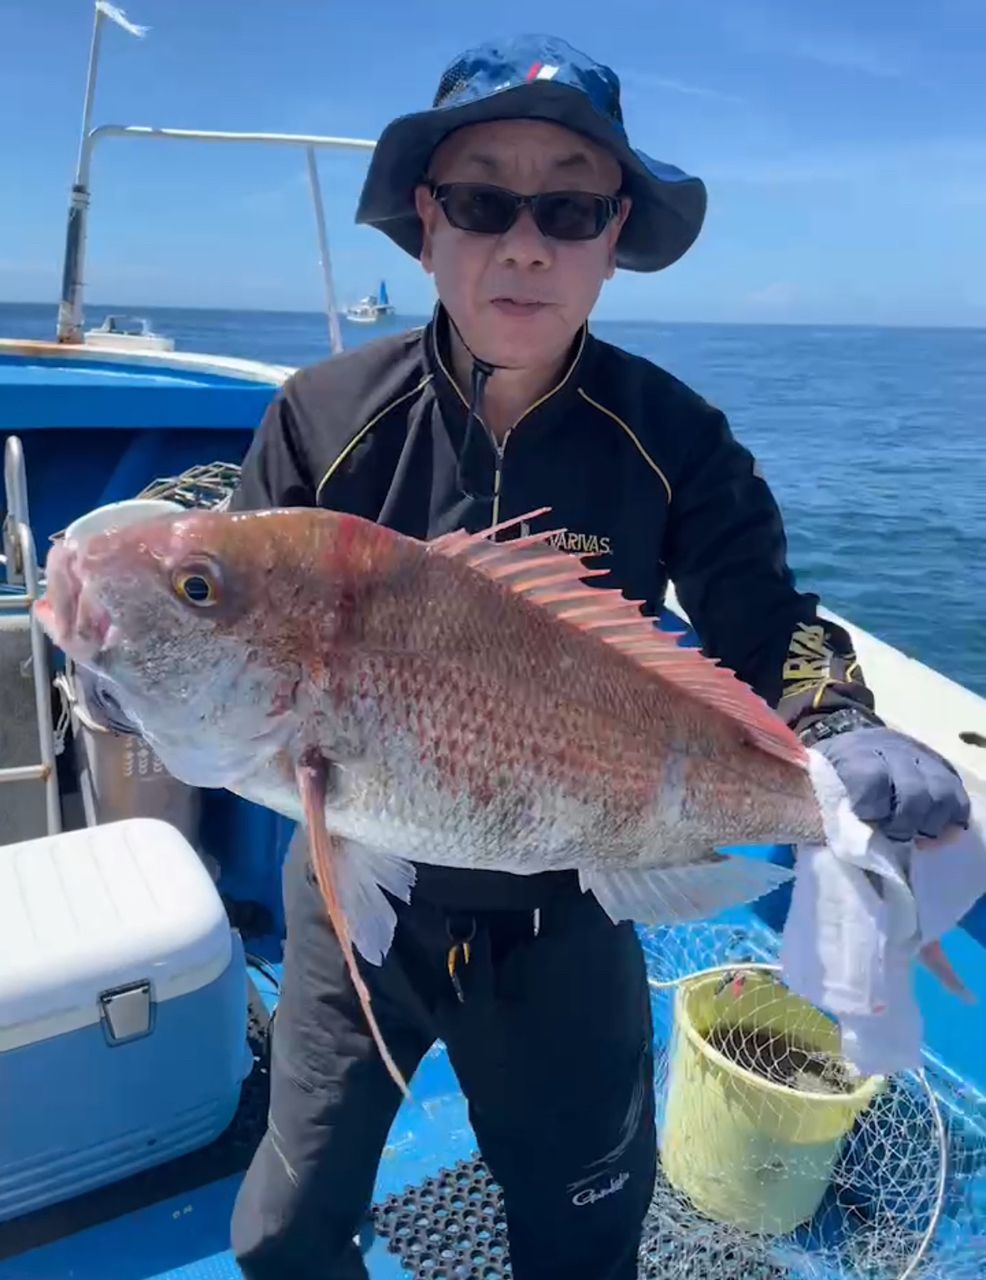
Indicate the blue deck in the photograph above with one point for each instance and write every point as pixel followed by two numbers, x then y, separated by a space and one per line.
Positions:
pixel 186 1237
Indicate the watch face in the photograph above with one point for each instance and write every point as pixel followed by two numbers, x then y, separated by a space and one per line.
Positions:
pixel 841 721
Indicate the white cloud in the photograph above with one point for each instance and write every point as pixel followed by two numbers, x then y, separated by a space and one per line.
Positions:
pixel 843 53
pixel 779 298
pixel 947 170
pixel 279 194
pixel 778 31
pixel 17 266
pixel 646 81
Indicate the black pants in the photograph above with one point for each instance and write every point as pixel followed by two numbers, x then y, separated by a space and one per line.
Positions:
pixel 551 1045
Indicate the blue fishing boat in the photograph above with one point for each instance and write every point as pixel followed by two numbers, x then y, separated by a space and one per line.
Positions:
pixel 142 924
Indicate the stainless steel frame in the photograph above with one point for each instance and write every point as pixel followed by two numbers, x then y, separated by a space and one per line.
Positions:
pixel 21 564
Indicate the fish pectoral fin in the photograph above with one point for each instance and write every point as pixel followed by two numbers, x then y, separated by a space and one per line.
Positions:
pixel 329 863
pixel 670 895
pixel 363 875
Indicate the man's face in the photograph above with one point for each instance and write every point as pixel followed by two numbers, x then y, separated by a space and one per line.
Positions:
pixel 519 298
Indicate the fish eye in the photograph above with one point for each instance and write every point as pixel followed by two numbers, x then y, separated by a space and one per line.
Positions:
pixel 196 586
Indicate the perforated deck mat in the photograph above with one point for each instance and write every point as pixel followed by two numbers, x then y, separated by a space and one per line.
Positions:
pixel 452 1227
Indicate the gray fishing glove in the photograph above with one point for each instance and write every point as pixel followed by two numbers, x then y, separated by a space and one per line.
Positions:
pixel 904 788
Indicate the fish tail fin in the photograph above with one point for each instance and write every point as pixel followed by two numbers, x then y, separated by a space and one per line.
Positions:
pixel 672 895
pixel 934 958
pixel 312 786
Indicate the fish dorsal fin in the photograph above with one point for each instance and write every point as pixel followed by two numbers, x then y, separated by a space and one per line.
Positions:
pixel 554 580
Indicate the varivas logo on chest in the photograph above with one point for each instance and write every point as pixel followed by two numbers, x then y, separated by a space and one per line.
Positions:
pixel 579 544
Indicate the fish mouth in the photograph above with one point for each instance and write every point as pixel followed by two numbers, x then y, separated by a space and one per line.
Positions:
pixel 70 612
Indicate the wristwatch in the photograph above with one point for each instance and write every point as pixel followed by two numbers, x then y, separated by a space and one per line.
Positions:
pixel 842 721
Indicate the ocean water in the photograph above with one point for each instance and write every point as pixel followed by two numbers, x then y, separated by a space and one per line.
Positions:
pixel 873 440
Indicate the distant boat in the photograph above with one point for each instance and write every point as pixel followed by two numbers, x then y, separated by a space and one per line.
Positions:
pixel 123 333
pixel 369 309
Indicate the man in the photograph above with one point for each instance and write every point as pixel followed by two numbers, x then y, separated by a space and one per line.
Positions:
pixel 519 192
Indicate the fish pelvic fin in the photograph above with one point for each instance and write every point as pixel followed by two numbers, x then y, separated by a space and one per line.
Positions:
pixel 312 773
pixel 554 580
pixel 673 895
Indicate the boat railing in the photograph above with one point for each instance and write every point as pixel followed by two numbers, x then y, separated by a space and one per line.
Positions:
pixel 70 328
pixel 20 590
pixel 70 309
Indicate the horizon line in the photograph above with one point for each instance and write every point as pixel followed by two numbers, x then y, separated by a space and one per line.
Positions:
pixel 416 318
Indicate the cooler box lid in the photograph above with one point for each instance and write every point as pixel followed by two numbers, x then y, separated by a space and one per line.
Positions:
pixel 87 912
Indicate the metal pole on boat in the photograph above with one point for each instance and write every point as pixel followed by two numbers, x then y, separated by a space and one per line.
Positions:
pixel 335 332
pixel 22 568
pixel 70 306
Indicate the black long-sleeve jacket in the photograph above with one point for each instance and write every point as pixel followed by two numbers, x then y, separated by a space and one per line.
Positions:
pixel 644 475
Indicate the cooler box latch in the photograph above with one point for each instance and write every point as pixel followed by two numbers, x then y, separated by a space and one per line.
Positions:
pixel 125 1012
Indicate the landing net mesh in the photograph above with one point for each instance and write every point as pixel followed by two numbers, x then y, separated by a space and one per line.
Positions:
pixel 776 1162
pixel 206 485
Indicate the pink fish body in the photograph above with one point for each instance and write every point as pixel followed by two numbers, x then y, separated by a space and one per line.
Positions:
pixel 474 703
pixel 487 708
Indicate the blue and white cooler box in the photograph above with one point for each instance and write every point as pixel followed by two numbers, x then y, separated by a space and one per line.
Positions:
pixel 123 1009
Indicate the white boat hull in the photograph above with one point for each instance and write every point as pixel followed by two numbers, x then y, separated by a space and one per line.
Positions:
pixel 128 341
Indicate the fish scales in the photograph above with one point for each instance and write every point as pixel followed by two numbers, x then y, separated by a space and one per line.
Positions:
pixel 465 702
pixel 545 708
pixel 488 774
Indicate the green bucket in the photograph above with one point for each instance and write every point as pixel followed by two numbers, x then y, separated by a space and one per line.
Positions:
pixel 744 1148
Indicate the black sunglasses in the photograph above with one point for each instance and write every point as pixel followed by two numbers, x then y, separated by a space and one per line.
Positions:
pixel 490 211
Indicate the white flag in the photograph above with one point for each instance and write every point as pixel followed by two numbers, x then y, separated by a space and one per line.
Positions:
pixel 120 18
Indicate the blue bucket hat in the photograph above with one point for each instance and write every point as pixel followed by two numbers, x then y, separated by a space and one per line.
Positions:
pixel 534 78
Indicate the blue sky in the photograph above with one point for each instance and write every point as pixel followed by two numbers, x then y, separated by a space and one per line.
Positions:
pixel 844 147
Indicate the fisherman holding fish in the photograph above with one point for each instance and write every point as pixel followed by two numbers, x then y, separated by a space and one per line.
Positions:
pixel 511 751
